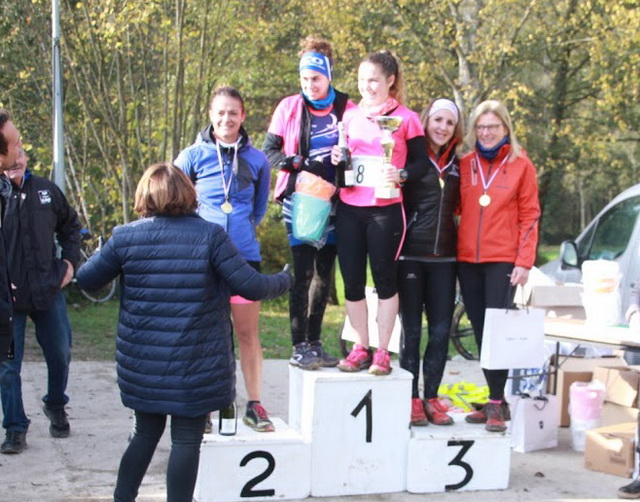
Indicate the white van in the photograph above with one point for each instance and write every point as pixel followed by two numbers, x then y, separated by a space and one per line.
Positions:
pixel 614 234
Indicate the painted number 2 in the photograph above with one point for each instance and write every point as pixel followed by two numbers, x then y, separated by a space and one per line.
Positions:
pixel 457 460
pixel 367 404
pixel 248 488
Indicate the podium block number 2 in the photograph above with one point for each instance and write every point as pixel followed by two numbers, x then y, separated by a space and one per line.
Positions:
pixel 248 489
pixel 365 403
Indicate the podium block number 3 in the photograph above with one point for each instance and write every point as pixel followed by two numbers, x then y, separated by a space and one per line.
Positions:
pixel 457 460
pixel 366 404
pixel 248 488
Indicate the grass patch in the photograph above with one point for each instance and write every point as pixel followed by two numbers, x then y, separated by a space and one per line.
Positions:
pixel 95 325
pixel 547 253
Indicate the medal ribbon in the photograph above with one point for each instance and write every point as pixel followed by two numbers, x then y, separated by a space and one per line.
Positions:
pixel 440 170
pixel 485 184
pixel 226 185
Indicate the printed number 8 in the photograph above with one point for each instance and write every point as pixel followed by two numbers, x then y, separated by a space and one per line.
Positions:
pixel 360 174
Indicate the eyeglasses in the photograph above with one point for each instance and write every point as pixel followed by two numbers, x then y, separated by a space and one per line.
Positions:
pixel 488 128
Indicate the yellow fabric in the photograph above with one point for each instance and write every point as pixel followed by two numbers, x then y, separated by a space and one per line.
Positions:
pixel 461 394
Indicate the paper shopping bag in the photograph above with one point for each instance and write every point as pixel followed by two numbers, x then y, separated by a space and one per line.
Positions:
pixel 512 339
pixel 534 423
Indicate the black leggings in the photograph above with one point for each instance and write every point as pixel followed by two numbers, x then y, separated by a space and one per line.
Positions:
pixel 428 287
pixel 486 285
pixel 306 323
pixel 372 231
pixel 182 470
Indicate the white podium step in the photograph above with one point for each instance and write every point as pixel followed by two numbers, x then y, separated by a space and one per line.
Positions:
pixel 458 457
pixel 254 465
pixel 358 425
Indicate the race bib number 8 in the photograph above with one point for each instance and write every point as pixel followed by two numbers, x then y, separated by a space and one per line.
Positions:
pixel 367 170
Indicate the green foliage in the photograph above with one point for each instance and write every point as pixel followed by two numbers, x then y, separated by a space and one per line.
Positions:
pixel 138 77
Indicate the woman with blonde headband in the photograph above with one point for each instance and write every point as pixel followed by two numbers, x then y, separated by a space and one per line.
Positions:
pixel 427 266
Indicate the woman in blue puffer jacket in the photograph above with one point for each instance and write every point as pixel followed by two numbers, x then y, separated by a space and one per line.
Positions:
pixel 174 350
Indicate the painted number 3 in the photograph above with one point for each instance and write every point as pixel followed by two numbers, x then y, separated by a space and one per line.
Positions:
pixel 457 460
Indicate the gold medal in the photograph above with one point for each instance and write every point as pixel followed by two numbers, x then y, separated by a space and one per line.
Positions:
pixel 441 182
pixel 484 200
pixel 226 207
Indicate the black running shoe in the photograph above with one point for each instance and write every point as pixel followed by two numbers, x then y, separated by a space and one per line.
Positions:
pixel 257 418
pixel 304 357
pixel 326 359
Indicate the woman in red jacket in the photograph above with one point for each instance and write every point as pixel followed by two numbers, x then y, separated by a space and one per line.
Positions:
pixel 498 231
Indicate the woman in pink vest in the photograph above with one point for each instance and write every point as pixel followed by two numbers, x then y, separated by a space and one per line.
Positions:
pixel 370 223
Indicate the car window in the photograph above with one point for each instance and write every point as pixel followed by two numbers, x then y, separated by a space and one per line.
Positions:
pixel 609 236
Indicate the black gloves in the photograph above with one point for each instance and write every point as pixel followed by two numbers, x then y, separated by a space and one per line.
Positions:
pixel 296 163
pixel 291 163
pixel 314 167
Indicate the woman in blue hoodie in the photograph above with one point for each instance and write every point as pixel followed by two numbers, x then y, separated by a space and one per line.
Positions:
pixel 232 180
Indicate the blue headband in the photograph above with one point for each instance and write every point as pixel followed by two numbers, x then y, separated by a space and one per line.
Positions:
pixel 317 62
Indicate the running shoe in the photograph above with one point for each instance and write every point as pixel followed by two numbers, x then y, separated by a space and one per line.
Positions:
pixel 495 417
pixel 418 417
pixel 257 418
pixel 381 363
pixel 305 357
pixel 326 359
pixel 436 412
pixel 359 358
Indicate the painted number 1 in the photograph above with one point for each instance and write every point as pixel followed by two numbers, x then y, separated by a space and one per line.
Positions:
pixel 367 404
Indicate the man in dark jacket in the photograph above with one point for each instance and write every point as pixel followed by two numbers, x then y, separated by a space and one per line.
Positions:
pixel 10 146
pixel 37 214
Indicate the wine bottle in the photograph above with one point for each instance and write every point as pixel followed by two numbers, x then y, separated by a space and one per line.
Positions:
pixel 228 420
pixel 345 169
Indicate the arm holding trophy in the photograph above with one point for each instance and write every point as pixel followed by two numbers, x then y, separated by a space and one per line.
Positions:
pixel 384 137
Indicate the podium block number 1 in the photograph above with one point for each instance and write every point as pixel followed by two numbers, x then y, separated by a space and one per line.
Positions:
pixel 367 404
pixel 366 420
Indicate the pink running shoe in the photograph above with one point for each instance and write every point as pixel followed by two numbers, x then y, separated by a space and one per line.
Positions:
pixel 358 359
pixel 381 363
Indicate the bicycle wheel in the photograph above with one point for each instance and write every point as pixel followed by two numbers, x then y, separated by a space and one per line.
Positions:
pixel 461 334
pixel 104 294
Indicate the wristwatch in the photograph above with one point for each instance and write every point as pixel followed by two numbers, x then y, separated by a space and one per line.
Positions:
pixel 404 175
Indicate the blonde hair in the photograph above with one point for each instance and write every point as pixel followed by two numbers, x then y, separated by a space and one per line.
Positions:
pixel 458 131
pixel 165 189
pixel 314 43
pixel 500 111
pixel 390 65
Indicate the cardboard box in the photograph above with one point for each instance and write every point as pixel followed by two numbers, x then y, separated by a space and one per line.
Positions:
pixel 611 449
pixel 622 384
pixel 613 414
pixel 556 296
pixel 576 369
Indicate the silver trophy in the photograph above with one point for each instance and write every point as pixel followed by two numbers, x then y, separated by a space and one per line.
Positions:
pixel 388 124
